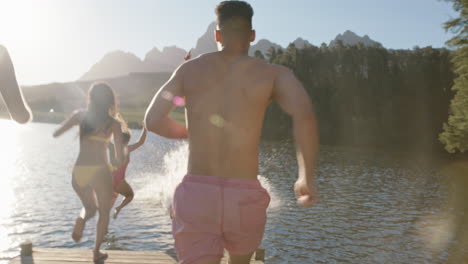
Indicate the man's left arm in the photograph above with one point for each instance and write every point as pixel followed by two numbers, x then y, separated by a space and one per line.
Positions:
pixel 157 118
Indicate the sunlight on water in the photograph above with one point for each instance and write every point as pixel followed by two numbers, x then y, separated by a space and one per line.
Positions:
pixel 8 168
pixel 161 185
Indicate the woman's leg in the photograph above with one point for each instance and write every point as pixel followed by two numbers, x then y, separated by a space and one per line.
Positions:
pixel 126 190
pixel 102 184
pixel 86 195
pixel 115 195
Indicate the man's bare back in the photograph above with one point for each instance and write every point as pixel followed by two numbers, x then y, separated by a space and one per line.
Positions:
pixel 225 101
pixel 226 98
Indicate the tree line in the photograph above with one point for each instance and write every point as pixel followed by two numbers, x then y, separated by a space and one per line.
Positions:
pixel 368 95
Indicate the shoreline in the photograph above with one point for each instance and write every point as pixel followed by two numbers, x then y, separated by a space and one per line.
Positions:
pixel 134 119
pixel 442 156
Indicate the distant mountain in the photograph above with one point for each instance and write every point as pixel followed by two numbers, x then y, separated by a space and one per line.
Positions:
pixel 120 63
pixel 206 43
pixel 350 38
pixel 113 64
pixel 133 90
pixel 164 61
pixel 263 45
pixel 301 43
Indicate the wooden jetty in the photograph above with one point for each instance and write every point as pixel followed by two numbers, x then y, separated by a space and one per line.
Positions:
pixel 82 256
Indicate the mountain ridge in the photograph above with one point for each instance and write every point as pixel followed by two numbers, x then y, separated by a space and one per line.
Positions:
pixel 121 63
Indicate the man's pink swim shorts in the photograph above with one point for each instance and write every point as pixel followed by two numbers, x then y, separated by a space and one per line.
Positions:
pixel 211 214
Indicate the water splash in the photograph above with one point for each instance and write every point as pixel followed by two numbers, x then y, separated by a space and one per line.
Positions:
pixel 163 183
pixel 275 201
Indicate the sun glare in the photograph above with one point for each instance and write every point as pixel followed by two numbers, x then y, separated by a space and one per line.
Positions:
pixel 25 27
pixel 18 20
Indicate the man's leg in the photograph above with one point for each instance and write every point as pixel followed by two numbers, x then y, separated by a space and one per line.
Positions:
pixel 126 190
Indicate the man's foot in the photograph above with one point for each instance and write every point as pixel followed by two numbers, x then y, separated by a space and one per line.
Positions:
pixel 78 229
pixel 99 257
pixel 116 212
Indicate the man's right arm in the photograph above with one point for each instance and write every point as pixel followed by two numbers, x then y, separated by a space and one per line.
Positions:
pixel 10 90
pixel 118 146
pixel 293 99
pixel 157 119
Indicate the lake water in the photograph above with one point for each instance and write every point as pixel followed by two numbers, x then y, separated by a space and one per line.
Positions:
pixel 374 208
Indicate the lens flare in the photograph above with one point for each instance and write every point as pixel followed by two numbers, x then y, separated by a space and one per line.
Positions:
pixel 437 231
pixel 217 120
pixel 167 95
pixel 179 101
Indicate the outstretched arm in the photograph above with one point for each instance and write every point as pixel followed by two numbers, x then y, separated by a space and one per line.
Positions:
pixel 157 118
pixel 140 141
pixel 118 146
pixel 10 90
pixel 111 148
pixel 74 120
pixel 293 99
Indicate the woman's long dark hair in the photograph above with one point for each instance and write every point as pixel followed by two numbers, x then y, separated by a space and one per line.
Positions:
pixel 102 110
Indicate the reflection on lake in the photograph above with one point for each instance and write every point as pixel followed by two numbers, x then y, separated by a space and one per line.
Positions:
pixel 373 208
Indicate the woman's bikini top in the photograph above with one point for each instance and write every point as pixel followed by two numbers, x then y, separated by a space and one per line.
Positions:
pixel 98 138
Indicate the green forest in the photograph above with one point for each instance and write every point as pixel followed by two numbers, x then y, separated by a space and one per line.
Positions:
pixel 370 96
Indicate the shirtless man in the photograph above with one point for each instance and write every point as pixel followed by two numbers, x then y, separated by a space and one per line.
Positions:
pixel 10 90
pixel 220 204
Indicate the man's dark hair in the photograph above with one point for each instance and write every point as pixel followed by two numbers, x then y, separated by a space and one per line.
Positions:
pixel 227 10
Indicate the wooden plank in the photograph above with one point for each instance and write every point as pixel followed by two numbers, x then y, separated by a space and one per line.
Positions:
pixel 73 256
pixel 32 260
pixel 86 251
pixel 17 261
pixel 42 255
pixel 110 259
pixel 81 256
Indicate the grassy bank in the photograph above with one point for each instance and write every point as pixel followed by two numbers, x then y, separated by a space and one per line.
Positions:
pixel 134 118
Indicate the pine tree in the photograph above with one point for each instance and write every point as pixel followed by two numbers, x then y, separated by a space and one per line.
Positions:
pixel 455 135
pixel 259 54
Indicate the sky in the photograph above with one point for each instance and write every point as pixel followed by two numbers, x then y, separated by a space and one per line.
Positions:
pixel 58 41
